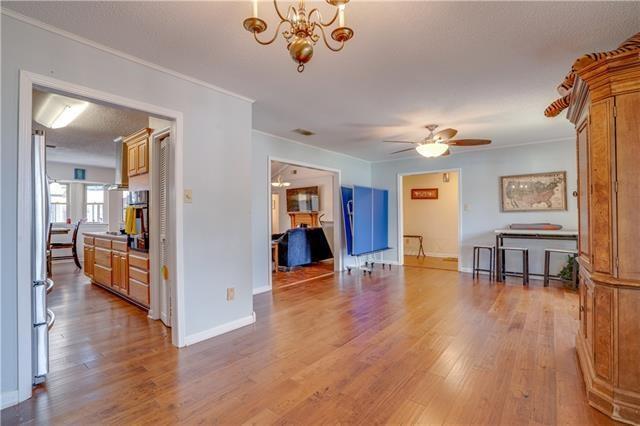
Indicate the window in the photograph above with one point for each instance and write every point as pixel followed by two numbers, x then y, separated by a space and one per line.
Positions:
pixel 94 196
pixel 58 202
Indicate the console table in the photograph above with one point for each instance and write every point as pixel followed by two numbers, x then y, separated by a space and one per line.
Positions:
pixel 529 234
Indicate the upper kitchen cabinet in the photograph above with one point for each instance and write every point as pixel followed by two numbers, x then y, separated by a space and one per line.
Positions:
pixel 138 152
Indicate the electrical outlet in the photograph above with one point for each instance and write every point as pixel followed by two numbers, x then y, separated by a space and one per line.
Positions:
pixel 188 196
pixel 231 293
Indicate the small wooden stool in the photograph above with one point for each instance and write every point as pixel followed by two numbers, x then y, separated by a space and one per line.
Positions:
pixel 476 260
pixel 525 263
pixel 574 269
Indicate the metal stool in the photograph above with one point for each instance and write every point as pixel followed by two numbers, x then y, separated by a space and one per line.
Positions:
pixel 525 263
pixel 547 258
pixel 476 260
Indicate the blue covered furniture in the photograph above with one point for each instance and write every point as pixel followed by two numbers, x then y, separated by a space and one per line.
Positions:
pixel 302 246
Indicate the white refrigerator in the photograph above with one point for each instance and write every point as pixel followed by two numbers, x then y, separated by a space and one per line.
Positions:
pixel 43 318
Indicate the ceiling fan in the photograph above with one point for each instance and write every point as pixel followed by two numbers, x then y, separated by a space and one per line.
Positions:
pixel 437 144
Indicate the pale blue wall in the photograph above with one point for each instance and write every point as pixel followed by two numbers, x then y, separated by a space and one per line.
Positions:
pixel 217 168
pixel 353 172
pixel 480 172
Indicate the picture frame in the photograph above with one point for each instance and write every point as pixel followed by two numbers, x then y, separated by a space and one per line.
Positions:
pixel 424 193
pixel 533 192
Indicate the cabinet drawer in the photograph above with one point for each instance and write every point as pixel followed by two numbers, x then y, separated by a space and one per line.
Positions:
pixel 102 242
pixel 139 261
pixel 103 257
pixel 88 241
pixel 139 275
pixel 102 275
pixel 119 245
pixel 139 291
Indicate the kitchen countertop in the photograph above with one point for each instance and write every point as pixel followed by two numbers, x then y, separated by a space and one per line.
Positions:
pixel 119 237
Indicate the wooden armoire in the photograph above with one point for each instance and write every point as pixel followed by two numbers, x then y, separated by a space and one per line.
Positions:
pixel 605 108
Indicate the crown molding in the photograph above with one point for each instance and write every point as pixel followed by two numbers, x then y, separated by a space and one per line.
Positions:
pixel 71 36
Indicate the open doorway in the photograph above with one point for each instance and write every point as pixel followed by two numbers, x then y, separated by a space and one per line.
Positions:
pixel 303 223
pixel 430 220
pixel 99 206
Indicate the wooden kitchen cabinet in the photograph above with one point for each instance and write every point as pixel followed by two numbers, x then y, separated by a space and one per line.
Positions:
pixel 110 264
pixel 138 152
pixel 605 108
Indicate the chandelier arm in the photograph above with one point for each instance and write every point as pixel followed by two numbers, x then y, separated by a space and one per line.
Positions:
pixel 275 5
pixel 324 38
pixel 275 35
pixel 319 16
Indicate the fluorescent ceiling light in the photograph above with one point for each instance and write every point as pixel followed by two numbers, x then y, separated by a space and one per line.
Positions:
pixel 432 149
pixel 59 111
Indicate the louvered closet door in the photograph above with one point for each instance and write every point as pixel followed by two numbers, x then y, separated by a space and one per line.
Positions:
pixel 165 287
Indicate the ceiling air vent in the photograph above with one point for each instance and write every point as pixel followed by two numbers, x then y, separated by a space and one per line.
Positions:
pixel 303 132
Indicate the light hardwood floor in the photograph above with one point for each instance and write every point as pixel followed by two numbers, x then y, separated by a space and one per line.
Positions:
pixel 409 345
pixel 301 274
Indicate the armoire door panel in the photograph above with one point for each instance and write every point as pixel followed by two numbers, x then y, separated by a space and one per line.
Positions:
pixel 600 133
pixel 603 331
pixel 628 184
pixel 583 190
pixel 629 338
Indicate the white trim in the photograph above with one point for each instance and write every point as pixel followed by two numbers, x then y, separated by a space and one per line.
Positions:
pixel 400 218
pixel 102 47
pixel 8 399
pixel 260 290
pixel 27 81
pixel 220 329
pixel 337 206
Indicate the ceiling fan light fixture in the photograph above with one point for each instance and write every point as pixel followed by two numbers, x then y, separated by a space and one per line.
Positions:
pixel 430 150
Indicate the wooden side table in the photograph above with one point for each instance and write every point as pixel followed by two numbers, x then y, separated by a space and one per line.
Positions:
pixel 421 249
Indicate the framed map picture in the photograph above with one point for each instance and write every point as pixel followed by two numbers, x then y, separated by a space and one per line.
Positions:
pixel 424 194
pixel 534 192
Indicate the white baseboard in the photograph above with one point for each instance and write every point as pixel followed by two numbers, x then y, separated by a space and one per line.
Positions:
pixel 262 289
pixel 221 329
pixel 7 399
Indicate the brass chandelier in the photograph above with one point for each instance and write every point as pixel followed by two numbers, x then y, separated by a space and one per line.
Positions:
pixel 301 29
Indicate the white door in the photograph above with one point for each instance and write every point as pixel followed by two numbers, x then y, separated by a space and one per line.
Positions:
pixel 165 281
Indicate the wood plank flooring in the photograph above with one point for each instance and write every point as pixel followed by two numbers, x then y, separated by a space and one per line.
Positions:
pixel 448 263
pixel 409 345
pixel 301 274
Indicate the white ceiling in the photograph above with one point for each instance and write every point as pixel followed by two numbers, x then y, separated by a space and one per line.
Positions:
pixel 487 69
pixel 88 140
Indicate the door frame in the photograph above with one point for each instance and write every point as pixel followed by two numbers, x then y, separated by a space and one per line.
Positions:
pixel 24 256
pixel 337 211
pixel 400 187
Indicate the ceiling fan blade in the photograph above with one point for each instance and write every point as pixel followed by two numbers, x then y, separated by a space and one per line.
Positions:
pixel 402 150
pixel 399 142
pixel 445 134
pixel 468 142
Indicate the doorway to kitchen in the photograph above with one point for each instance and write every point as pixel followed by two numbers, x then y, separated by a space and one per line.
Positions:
pixel 304 223
pixel 106 167
pixel 429 219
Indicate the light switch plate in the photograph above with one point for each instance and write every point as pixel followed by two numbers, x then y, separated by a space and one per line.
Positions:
pixel 188 196
pixel 231 293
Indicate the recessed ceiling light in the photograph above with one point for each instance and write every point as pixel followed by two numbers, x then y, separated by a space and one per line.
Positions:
pixel 303 132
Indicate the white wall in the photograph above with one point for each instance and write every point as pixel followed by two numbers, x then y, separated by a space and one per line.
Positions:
pixel 435 220
pixel 353 171
pixel 216 167
pixel 93 174
pixel 480 195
